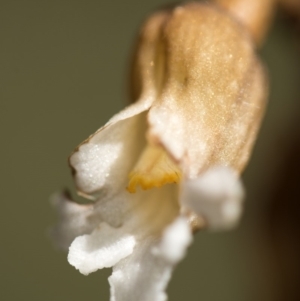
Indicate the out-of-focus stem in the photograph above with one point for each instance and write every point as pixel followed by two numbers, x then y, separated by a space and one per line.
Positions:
pixel 255 15
pixel 291 6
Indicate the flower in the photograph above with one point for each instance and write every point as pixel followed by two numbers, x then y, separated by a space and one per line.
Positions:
pixel 169 163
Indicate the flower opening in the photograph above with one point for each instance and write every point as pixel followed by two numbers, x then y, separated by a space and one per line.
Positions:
pixel 153 169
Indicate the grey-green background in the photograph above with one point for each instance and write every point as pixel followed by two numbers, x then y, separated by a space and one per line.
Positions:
pixel 63 70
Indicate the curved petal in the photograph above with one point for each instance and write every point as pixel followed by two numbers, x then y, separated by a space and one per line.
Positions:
pixel 105 159
pixel 216 195
pixel 103 248
pixel 176 238
pixel 144 275
pixel 146 214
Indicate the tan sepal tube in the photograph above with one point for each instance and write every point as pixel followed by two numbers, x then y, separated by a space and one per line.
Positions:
pixel 255 15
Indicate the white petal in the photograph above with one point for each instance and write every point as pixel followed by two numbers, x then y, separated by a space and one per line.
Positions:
pixel 102 249
pixel 216 195
pixel 147 210
pixel 144 275
pixel 136 108
pixel 155 208
pixel 176 238
pixel 103 161
pixel 74 220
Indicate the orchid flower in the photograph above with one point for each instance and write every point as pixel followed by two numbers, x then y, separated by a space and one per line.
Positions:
pixel 168 164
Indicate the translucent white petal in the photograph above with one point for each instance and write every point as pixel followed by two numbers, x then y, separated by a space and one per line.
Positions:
pixel 155 208
pixel 102 249
pixel 144 275
pixel 216 195
pixel 142 105
pixel 104 160
pixel 176 238
pixel 147 210
pixel 73 220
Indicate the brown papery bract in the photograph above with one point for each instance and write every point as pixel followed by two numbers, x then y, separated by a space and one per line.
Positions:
pixel 210 88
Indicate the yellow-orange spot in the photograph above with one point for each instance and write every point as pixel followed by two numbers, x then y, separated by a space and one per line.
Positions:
pixel 153 169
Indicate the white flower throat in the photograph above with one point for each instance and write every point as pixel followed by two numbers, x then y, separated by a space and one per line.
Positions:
pixel 154 168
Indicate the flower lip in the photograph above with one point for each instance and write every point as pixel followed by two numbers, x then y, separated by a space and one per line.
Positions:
pixel 217 196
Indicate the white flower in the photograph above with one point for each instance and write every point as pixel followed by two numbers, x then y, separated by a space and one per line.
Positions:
pixel 169 163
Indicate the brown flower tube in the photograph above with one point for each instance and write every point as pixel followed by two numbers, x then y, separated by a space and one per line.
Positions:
pixel 209 88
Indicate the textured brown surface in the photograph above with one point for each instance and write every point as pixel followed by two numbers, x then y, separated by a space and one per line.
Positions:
pixel 209 87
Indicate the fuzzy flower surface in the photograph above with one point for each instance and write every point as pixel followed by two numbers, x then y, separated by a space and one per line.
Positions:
pixel 170 162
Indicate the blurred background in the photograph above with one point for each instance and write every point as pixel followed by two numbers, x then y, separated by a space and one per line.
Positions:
pixel 63 74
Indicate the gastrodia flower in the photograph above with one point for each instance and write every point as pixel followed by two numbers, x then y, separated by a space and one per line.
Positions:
pixel 169 163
